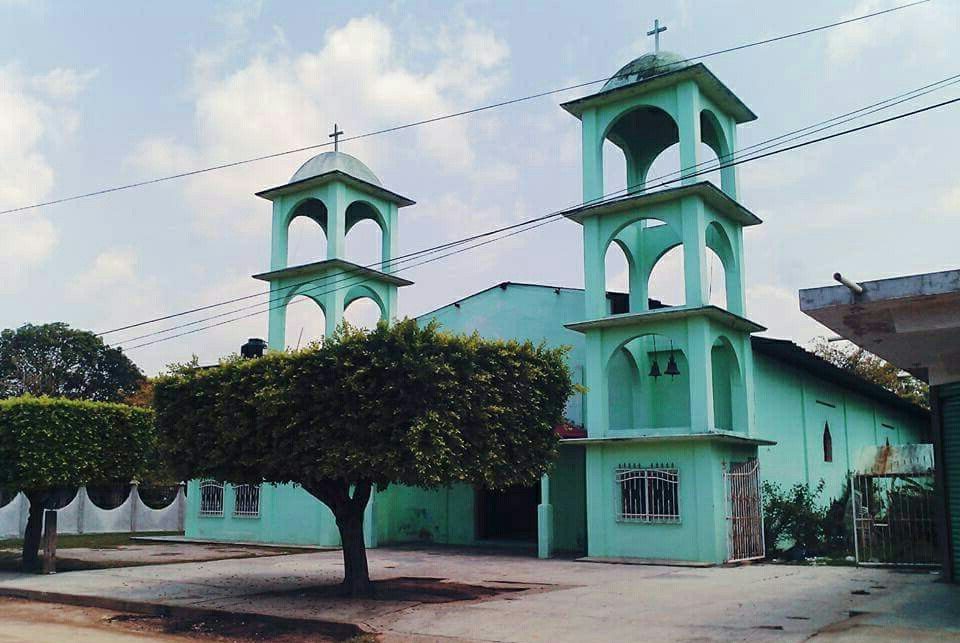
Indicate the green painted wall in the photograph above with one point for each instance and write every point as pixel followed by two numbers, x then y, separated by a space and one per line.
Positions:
pixel 701 533
pixel 288 515
pixel 409 514
pixel 792 408
pixel 569 499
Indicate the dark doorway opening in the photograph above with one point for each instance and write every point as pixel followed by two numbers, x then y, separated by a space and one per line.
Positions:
pixel 510 514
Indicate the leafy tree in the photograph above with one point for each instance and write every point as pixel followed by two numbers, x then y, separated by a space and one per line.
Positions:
pixel 143 396
pixel 366 409
pixel 59 361
pixel 874 369
pixel 47 444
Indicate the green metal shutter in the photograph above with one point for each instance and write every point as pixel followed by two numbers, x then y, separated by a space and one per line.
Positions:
pixel 950 410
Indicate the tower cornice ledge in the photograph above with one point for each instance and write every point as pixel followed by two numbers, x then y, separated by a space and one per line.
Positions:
pixel 711 86
pixel 711 194
pixel 669 313
pixel 336 175
pixel 716 436
pixel 321 268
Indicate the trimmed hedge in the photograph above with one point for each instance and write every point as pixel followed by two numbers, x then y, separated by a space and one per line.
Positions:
pixel 54 442
pixel 398 404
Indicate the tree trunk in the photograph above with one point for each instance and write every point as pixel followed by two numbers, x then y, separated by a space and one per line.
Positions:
pixel 356 574
pixel 349 514
pixel 30 558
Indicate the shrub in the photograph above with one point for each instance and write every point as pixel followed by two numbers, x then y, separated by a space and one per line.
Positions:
pixel 49 444
pixel 793 518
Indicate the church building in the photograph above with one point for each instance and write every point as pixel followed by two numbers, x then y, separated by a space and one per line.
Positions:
pixel 686 410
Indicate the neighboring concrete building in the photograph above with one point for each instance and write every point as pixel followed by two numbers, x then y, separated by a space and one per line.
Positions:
pixel 914 323
pixel 662 457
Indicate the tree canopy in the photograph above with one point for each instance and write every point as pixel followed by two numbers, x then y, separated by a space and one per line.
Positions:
pixel 396 404
pixel 59 361
pixel 47 443
pixel 874 369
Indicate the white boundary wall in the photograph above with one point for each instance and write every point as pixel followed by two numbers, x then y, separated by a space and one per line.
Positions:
pixel 82 516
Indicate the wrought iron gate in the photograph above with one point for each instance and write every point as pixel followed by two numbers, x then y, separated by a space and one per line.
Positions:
pixel 744 511
pixel 893 520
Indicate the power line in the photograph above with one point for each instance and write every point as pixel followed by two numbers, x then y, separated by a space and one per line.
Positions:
pixel 552 217
pixel 760 146
pixel 443 117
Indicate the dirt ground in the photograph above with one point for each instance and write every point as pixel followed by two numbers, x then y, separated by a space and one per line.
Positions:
pixel 33 622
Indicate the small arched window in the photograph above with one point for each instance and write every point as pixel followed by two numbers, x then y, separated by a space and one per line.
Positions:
pixel 827 443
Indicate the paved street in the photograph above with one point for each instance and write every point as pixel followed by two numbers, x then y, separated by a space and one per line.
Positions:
pixel 31 622
pixel 563 600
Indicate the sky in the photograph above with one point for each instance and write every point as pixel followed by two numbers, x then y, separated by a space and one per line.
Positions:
pixel 99 94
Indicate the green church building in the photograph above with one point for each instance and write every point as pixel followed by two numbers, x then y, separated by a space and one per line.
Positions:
pixel 686 410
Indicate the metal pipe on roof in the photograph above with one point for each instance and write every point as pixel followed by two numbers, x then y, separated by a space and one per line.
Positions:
pixel 854 287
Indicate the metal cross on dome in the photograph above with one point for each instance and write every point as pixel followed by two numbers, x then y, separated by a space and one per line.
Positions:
pixel 655 32
pixel 337 133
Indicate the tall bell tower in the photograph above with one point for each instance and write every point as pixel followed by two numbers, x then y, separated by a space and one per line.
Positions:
pixel 670 388
pixel 337 191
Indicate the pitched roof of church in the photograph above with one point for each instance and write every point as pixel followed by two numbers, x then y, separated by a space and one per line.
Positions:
pixel 782 350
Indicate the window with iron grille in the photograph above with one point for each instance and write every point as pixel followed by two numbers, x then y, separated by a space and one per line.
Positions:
pixel 648 494
pixel 246 501
pixel 211 498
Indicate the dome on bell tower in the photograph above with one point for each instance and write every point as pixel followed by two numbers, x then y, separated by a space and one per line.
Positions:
pixel 646 66
pixel 335 161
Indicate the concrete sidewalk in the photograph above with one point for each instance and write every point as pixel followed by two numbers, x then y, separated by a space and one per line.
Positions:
pixel 562 600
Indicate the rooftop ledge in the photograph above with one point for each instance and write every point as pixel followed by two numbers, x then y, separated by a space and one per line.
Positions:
pixel 731 437
pixel 320 268
pixel 711 194
pixel 666 314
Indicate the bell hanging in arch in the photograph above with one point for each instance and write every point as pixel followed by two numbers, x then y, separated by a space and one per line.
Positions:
pixel 672 369
pixel 655 366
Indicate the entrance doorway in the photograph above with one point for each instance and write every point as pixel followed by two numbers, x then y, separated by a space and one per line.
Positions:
pixel 744 511
pixel 509 514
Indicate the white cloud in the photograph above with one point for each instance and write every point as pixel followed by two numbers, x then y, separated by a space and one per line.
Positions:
pixel 164 155
pixel 778 309
pixel 25 242
pixel 63 83
pixel 28 122
pixel 950 201
pixel 933 24
pixel 111 268
pixel 358 77
pixel 25 174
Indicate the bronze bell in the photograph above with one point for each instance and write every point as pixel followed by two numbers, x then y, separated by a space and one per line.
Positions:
pixel 655 368
pixel 672 369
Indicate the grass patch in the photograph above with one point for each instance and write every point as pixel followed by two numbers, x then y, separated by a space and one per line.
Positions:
pixel 90 541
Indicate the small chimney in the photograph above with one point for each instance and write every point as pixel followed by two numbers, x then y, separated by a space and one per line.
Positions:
pixel 253 348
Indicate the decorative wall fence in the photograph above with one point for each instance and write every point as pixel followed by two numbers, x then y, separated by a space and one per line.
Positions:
pixel 82 516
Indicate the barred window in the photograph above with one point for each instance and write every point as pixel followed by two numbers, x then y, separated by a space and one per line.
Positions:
pixel 246 501
pixel 648 494
pixel 211 498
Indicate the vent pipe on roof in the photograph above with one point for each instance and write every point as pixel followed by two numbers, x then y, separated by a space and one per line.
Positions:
pixel 854 287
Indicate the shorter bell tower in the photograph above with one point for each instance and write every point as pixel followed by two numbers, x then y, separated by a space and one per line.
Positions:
pixel 337 191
